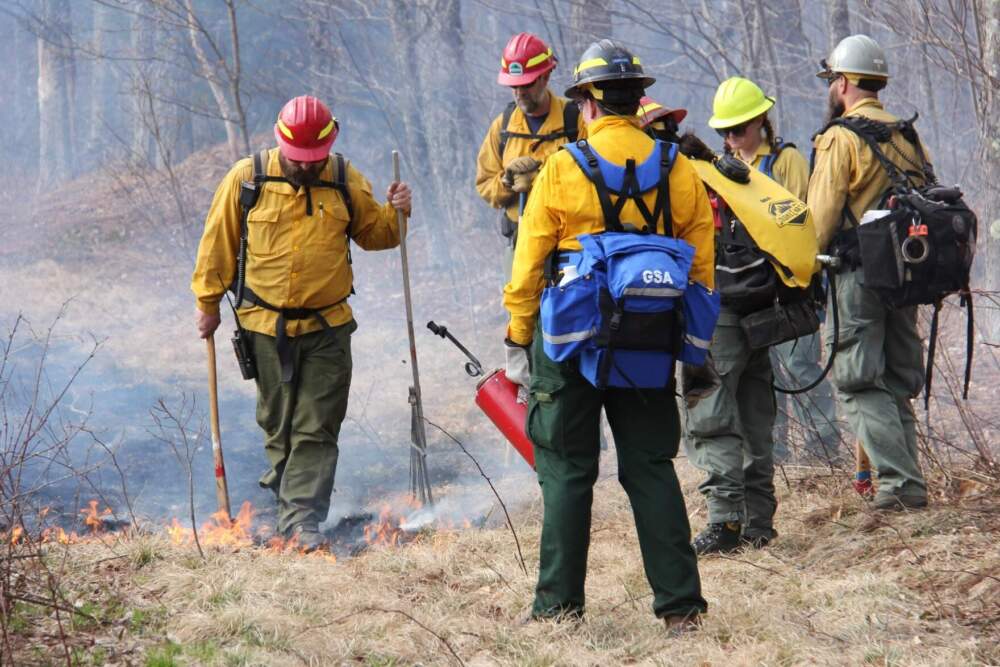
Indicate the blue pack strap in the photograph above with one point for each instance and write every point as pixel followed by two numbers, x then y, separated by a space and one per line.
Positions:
pixel 629 183
pixel 766 166
pixel 612 223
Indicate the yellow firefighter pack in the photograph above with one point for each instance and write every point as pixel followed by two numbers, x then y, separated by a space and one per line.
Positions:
pixel 778 222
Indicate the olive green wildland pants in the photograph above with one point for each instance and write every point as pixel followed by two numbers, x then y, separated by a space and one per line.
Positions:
pixel 879 369
pixel 563 422
pixel 301 420
pixel 730 434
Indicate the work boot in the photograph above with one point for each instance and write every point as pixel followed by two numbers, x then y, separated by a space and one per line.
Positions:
pixel 308 538
pixel 757 539
pixel 718 538
pixel 679 624
pixel 888 502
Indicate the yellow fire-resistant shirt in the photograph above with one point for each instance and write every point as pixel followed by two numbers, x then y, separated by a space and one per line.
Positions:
pixel 846 171
pixel 790 169
pixel 293 260
pixel 489 168
pixel 564 204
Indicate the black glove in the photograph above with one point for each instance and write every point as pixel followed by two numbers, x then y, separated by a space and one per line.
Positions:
pixel 699 382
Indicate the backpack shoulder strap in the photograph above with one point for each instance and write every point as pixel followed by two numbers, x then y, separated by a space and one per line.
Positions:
pixel 668 155
pixel 571 119
pixel 767 163
pixel 591 167
pixel 504 132
pixel 340 183
pixel 873 133
pixel 249 194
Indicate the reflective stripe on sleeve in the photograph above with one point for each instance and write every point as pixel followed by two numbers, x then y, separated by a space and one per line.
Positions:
pixel 571 337
pixel 700 343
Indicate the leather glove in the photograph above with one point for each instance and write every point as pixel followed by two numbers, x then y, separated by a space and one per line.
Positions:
pixel 699 382
pixel 522 182
pixel 518 366
pixel 520 173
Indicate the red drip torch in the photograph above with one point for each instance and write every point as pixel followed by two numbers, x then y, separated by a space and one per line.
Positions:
pixel 496 396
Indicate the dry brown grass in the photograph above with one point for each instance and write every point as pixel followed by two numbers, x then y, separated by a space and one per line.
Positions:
pixel 838 587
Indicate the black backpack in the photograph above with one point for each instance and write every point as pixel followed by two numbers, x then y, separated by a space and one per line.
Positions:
pixel 922 250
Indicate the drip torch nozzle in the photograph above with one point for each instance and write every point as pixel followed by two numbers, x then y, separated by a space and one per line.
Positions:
pixel 473 367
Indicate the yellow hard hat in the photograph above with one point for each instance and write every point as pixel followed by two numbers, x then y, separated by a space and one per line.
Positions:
pixel 738 100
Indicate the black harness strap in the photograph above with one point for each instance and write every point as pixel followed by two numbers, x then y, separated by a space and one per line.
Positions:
pixel 282 345
pixel 612 223
pixel 249 194
pixel 569 131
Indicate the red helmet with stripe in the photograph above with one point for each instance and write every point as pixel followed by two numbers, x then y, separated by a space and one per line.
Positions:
pixel 651 111
pixel 305 129
pixel 525 58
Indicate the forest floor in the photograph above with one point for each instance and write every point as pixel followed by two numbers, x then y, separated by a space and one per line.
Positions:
pixel 841 585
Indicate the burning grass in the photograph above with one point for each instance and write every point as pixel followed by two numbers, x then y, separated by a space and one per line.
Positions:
pixel 840 586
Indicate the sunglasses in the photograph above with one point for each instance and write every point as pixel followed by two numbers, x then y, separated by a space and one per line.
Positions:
pixel 828 75
pixel 737 130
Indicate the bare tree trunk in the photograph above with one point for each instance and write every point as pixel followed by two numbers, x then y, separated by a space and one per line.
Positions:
pixel 101 116
pixel 589 21
pixel 55 142
pixel 838 22
pixel 223 78
pixel 989 12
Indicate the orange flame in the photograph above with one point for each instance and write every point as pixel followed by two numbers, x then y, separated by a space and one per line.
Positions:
pixel 235 533
pixel 94 519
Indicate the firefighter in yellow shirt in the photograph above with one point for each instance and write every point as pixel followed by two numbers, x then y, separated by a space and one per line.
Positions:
pixel 278 232
pixel 879 364
pixel 564 405
pixel 531 128
pixel 796 362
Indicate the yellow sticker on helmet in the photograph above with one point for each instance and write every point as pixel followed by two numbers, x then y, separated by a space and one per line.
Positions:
pixel 284 130
pixel 540 58
pixel 587 64
pixel 328 129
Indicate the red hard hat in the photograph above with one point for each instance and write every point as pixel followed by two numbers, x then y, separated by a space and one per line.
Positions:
pixel 650 111
pixel 525 58
pixel 305 129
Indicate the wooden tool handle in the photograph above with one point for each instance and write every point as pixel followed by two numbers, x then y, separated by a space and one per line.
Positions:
pixel 221 488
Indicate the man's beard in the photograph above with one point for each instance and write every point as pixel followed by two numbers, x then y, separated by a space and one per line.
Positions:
pixel 302 177
pixel 834 108
pixel 529 105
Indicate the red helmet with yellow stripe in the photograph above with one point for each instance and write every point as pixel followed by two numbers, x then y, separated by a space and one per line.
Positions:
pixel 525 58
pixel 305 129
pixel 651 111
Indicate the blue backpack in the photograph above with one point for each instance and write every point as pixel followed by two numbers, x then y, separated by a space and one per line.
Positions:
pixel 624 305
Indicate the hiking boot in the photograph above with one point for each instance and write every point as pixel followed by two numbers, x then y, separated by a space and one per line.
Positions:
pixel 757 539
pixel 718 538
pixel 679 624
pixel 888 502
pixel 308 538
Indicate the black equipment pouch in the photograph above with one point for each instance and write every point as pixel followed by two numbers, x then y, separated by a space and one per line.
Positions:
pixel 745 279
pixel 508 228
pixel 780 324
pixel 880 251
pixel 244 354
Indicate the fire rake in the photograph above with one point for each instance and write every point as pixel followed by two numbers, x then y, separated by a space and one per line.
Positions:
pixel 420 484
